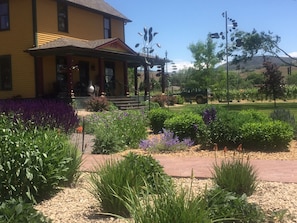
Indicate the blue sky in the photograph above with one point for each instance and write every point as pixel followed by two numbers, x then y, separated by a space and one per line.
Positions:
pixel 180 23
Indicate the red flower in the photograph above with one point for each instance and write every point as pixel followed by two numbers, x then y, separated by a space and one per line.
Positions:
pixel 79 129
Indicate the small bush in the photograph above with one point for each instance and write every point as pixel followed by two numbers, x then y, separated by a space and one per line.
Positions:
pixel 118 130
pixel 157 118
pixel 235 175
pixel 226 130
pixel 33 161
pixel 109 183
pixel 170 206
pixel 16 210
pixel 179 99
pixel 272 135
pixel 97 104
pixel 167 142
pixel 44 113
pixel 223 204
pixel 160 99
pixel 285 116
pixel 187 125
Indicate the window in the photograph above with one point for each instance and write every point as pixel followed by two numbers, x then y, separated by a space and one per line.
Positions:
pixel 4 15
pixel 62 17
pixel 107 29
pixel 5 73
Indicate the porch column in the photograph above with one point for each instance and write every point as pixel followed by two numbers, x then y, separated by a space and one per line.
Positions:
pixel 146 82
pixel 69 76
pixel 39 76
pixel 135 82
pixel 126 85
pixel 101 74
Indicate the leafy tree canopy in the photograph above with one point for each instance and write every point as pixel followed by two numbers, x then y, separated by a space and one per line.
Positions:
pixel 245 45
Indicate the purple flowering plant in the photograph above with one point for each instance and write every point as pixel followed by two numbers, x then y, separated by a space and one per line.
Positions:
pixel 209 115
pixel 167 142
pixel 43 113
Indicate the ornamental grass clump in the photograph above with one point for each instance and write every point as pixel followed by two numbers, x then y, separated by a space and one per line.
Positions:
pixel 235 175
pixel 110 181
pixel 166 142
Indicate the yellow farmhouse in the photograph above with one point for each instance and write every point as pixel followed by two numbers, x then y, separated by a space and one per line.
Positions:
pixel 55 48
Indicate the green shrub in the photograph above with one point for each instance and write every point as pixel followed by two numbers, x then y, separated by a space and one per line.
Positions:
pixel 187 125
pixel 223 204
pixel 97 104
pixel 179 99
pixel 16 210
pixel 169 206
pixel 118 130
pixel 272 135
pixel 33 161
pixel 157 118
pixel 226 130
pixel 285 116
pixel 109 183
pixel 235 175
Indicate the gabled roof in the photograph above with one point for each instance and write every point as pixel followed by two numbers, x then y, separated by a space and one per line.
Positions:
pixel 100 6
pixel 111 44
pixel 113 48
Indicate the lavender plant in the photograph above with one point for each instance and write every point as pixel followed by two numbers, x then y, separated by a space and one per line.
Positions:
pixel 44 113
pixel 167 142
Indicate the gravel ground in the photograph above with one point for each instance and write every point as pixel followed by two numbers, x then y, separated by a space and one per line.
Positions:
pixel 77 205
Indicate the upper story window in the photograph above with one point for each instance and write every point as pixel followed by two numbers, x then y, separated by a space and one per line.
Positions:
pixel 4 15
pixel 62 17
pixel 107 28
pixel 5 73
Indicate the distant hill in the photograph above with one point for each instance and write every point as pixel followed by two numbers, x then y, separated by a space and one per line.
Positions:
pixel 256 63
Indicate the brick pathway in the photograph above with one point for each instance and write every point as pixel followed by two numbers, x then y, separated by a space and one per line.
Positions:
pixel 267 170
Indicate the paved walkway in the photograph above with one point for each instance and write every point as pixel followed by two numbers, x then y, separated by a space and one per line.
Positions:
pixel 267 170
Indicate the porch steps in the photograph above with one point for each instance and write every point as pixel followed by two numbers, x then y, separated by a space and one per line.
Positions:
pixel 126 102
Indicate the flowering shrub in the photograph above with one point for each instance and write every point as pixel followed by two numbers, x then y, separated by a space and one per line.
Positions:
pixel 167 142
pixel 234 174
pixel 97 104
pixel 43 112
pixel 117 131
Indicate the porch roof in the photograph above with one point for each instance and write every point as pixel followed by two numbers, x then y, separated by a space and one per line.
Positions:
pixel 112 48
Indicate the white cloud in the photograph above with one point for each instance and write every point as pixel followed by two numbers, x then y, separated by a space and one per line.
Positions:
pixel 180 64
pixel 293 54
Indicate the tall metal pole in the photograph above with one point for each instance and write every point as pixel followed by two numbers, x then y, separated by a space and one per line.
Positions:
pixel 227 61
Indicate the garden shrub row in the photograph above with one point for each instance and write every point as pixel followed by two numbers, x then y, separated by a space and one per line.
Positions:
pixel 209 126
pixel 36 155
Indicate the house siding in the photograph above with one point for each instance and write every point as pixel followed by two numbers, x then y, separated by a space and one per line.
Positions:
pixel 17 40
pixel 82 24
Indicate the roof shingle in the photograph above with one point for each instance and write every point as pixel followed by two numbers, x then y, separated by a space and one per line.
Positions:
pixel 100 6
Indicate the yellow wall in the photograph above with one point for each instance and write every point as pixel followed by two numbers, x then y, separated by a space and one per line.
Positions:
pixel 82 24
pixel 14 42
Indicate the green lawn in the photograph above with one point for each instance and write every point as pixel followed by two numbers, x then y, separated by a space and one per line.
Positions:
pixel 265 107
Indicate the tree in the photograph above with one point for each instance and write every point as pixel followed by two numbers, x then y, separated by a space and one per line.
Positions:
pixel 205 61
pixel 249 44
pixel 273 82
